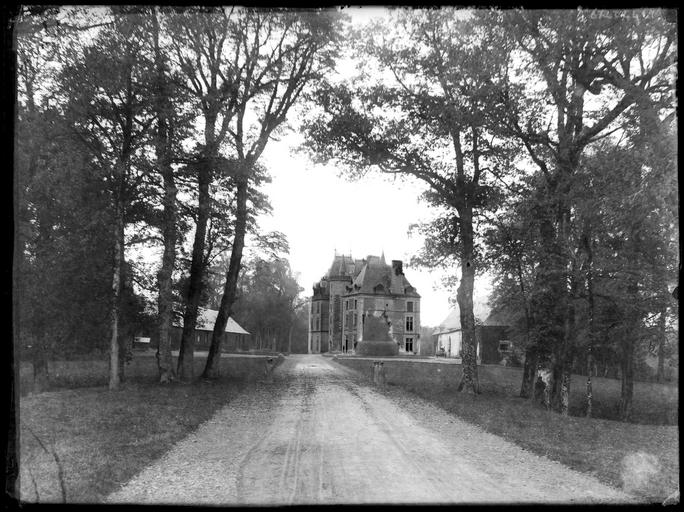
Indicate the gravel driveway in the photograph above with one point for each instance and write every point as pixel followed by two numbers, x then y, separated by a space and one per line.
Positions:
pixel 318 434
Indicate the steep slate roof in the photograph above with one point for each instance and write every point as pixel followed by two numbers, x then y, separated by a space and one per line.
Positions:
pixel 376 272
pixel 453 321
pixel 342 266
pixel 206 318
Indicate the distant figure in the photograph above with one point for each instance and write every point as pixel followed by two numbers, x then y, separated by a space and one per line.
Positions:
pixel 268 371
pixel 379 374
pixel 545 375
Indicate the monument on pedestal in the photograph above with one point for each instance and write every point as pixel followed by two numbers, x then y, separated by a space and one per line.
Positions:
pixel 377 336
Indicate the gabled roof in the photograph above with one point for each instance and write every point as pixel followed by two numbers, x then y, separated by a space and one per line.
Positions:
pixel 206 318
pixel 375 273
pixel 498 318
pixel 452 322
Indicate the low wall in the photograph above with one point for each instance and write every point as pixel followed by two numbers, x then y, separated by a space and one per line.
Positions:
pixel 143 366
pixel 437 374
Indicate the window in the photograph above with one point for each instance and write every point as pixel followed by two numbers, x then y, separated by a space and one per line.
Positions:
pixel 504 346
pixel 318 324
pixel 355 319
pixel 409 324
pixel 409 307
pixel 346 305
pixel 355 304
pixel 409 345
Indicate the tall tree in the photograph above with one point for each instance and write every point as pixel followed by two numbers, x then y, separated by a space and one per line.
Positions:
pixel 171 128
pixel 620 59
pixel 207 52
pixel 62 212
pixel 164 153
pixel 107 83
pixel 430 123
pixel 282 52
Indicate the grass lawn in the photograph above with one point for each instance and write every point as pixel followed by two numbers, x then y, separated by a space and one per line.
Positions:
pixel 593 446
pixel 615 452
pixel 653 404
pixel 103 438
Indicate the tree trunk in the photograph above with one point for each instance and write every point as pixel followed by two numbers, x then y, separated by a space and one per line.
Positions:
pixel 567 298
pixel 565 370
pixel 124 334
pixel 469 380
pixel 592 324
pixel 590 397
pixel 627 359
pixel 530 365
pixel 114 377
pixel 165 283
pixel 627 378
pixel 163 152
pixel 660 375
pixel 565 391
pixel 211 369
pixel 529 374
pixel 122 356
pixel 197 270
pixel 548 290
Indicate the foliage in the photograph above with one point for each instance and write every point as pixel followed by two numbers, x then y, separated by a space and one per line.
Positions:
pixel 602 78
pixel 267 302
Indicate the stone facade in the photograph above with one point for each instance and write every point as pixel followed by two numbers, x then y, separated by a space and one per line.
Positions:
pixel 351 291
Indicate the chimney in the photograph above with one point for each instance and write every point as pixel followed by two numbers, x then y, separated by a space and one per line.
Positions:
pixel 397 267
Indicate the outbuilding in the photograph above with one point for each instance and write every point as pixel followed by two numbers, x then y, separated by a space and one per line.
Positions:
pixel 493 343
pixel 237 339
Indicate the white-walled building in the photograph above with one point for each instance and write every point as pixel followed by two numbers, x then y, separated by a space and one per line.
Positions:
pixel 450 336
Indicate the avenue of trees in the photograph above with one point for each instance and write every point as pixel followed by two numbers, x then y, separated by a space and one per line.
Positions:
pixel 143 128
pixel 545 140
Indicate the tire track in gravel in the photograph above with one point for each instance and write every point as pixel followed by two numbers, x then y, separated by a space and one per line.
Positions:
pixel 203 468
pixel 320 434
pixel 420 465
pixel 485 467
pixel 279 453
